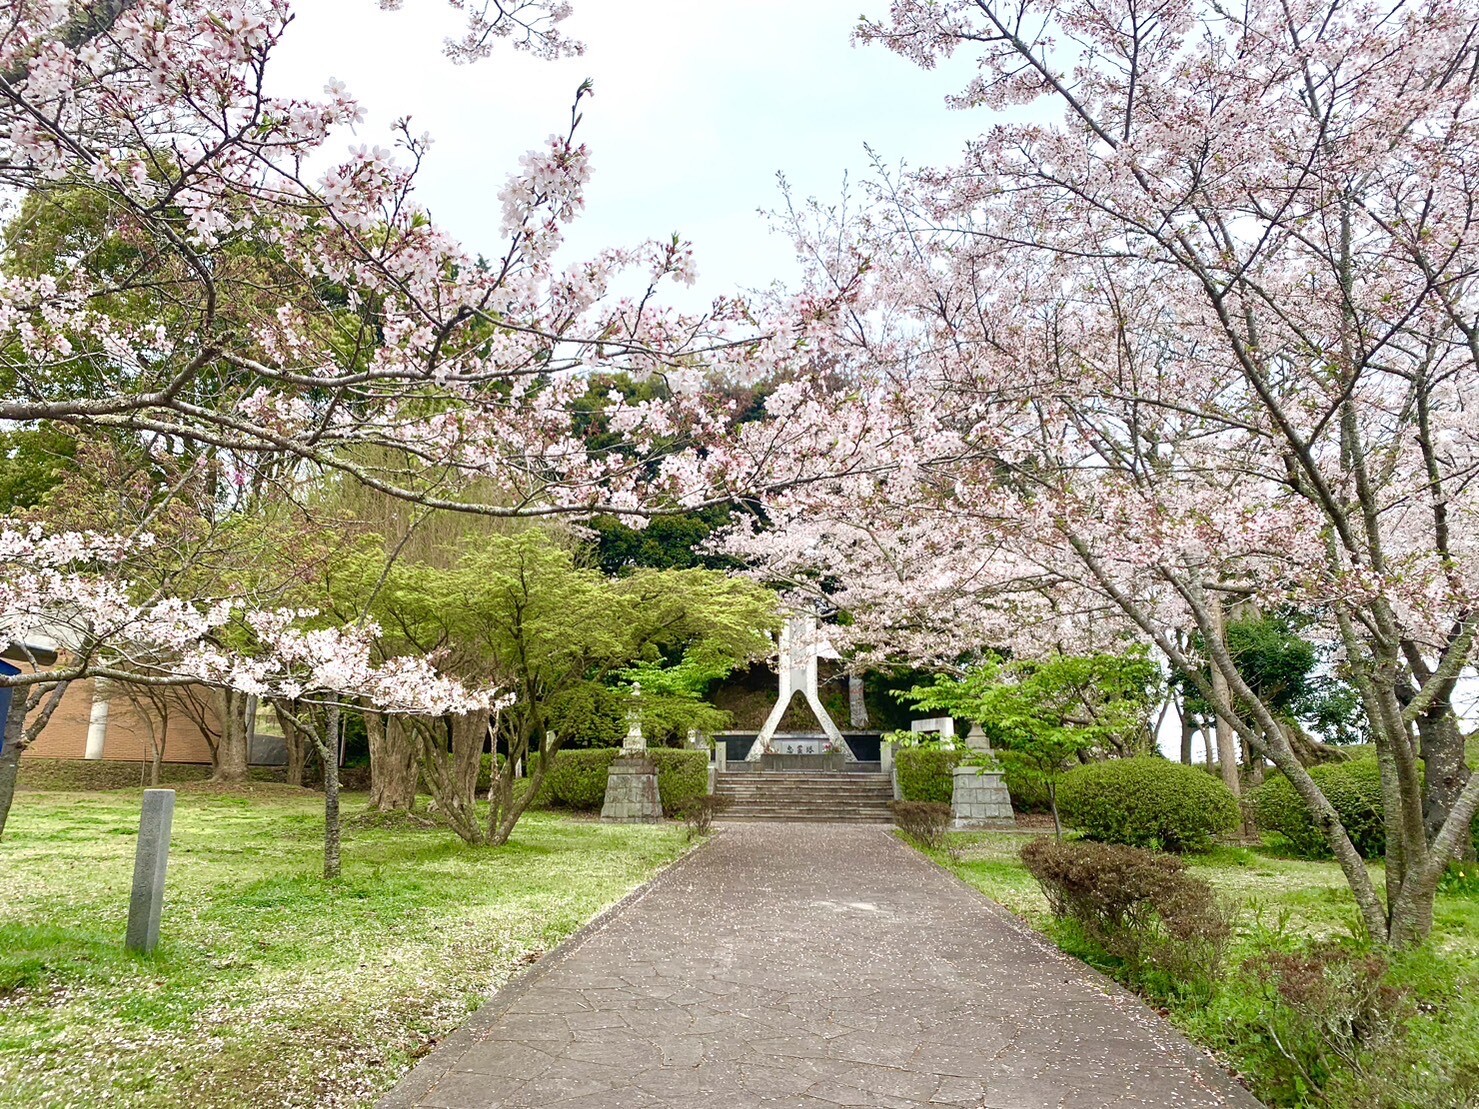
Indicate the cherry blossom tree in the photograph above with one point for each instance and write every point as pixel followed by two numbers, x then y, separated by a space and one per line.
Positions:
pixel 308 666
pixel 1207 338
pixel 190 268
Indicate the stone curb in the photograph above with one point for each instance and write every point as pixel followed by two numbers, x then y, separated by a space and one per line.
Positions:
pixel 443 1058
pixel 1201 1062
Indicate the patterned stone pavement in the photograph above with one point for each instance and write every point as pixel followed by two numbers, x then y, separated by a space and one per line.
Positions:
pixel 790 965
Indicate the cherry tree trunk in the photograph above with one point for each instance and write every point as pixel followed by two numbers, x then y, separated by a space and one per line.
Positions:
pixel 505 809
pixel 393 768
pixel 30 710
pixel 468 735
pixel 328 748
pixel 1227 738
pixel 10 764
pixel 231 752
pixel 1446 772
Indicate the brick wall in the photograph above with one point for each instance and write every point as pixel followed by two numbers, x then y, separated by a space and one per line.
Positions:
pixel 126 738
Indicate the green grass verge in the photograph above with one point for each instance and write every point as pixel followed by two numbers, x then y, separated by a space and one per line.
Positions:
pixel 271 986
pixel 1437 1063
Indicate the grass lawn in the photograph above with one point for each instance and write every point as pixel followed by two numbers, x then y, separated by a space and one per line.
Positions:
pixel 270 986
pixel 1282 901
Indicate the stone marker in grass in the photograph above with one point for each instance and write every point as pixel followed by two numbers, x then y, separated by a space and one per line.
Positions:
pixel 150 859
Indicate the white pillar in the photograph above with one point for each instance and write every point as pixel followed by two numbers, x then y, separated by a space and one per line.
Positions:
pixel 97 723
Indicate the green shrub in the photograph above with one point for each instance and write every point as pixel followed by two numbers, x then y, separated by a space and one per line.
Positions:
pixel 926 773
pixel 926 821
pixel 698 813
pixel 1311 1023
pixel 577 780
pixel 1164 926
pixel 1354 789
pixel 1147 802
pixel 1027 786
pixel 681 776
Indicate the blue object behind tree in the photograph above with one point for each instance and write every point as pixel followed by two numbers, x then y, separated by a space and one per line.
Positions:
pixel 5 697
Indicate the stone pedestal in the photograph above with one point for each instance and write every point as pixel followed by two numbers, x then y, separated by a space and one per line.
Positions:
pixel 980 799
pixel 830 762
pixel 631 792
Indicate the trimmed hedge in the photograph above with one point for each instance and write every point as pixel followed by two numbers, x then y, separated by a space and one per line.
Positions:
pixel 1354 789
pixel 577 780
pixel 926 773
pixel 1147 802
pixel 682 776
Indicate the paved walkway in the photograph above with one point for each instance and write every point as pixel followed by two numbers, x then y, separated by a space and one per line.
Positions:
pixel 813 965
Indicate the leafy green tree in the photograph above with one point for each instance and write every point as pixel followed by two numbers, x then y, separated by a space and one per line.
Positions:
pixel 671 701
pixel 1052 713
pixel 1294 678
pixel 666 543
pixel 522 612
pixel 32 462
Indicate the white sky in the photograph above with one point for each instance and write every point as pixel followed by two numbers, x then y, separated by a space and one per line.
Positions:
pixel 697 106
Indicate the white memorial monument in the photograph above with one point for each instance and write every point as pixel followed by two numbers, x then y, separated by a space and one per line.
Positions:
pixel 800 648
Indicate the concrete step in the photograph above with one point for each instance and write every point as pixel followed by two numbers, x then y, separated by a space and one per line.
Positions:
pixel 806 790
pixel 805 796
pixel 802 818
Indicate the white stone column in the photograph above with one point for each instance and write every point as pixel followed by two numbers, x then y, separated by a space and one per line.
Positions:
pixel 97 722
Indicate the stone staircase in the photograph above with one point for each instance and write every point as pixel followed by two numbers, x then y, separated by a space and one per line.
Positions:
pixel 797 795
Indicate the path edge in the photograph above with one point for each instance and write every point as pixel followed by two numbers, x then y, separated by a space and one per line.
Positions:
pixel 443 1058
pixel 1201 1059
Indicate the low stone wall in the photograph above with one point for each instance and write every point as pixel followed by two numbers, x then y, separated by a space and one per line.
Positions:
pixel 980 799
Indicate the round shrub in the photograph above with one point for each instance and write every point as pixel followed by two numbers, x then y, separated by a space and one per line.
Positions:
pixel 926 773
pixel 577 779
pixel 1354 789
pixel 1147 802
pixel 682 777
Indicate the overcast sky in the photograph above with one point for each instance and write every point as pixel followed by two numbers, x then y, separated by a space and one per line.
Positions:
pixel 698 105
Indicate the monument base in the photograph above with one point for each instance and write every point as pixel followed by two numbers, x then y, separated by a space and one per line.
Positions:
pixel 631 792
pixel 979 799
pixel 830 761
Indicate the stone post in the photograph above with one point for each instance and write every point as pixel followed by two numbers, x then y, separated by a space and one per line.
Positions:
pixel 635 742
pixel 976 739
pixel 150 859
pixel 942 726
